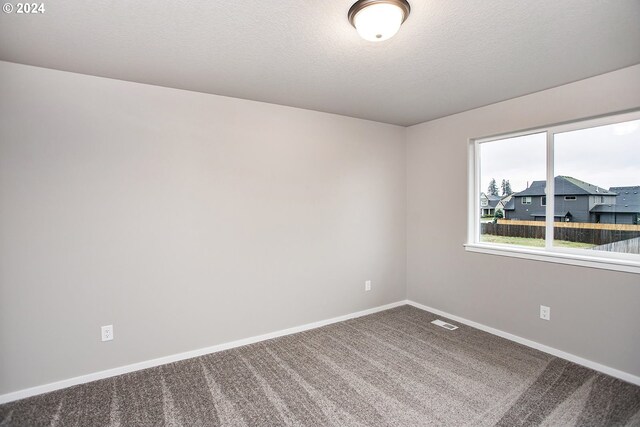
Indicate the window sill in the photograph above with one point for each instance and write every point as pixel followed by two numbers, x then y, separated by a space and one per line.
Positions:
pixel 556 257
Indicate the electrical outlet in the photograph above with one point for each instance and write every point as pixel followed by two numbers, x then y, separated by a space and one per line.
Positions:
pixel 545 312
pixel 107 333
pixel 367 285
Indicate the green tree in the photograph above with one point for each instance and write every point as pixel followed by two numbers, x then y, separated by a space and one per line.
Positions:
pixel 493 188
pixel 506 190
pixel 497 215
pixel 506 187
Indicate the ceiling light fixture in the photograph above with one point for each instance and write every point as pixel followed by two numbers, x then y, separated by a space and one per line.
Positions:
pixel 378 20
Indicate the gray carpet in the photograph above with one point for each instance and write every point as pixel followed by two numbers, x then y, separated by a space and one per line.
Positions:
pixel 392 368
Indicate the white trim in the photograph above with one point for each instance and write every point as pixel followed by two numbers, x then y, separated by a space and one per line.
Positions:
pixel 571 258
pixel 608 119
pixel 625 376
pixel 549 192
pixel 473 196
pixel 33 391
pixel 577 124
pixel 509 135
pixel 580 257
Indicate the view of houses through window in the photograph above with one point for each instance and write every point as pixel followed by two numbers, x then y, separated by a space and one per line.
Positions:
pixel 596 189
pixel 598 172
pixel 518 162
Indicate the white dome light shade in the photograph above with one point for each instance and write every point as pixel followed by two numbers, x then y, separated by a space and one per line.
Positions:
pixel 378 20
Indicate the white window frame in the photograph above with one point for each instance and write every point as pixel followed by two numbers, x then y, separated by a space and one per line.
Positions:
pixel 570 198
pixel 603 260
pixel 526 200
pixel 543 198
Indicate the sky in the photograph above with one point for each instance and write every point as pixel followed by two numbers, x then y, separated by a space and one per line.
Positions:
pixel 606 156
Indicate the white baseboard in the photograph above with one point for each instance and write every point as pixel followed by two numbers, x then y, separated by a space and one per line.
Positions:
pixel 33 391
pixel 633 379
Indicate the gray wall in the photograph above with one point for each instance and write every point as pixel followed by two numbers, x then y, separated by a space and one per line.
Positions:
pixel 578 208
pixel 183 219
pixel 189 220
pixel 524 212
pixel 619 218
pixel 594 313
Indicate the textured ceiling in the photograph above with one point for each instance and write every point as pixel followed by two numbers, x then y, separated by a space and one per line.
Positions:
pixel 449 56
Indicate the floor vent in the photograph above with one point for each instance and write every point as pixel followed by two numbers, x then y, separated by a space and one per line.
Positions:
pixel 444 325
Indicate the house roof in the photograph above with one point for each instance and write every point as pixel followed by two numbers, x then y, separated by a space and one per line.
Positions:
pixel 535 189
pixel 616 209
pixel 507 202
pixel 627 201
pixel 492 200
pixel 627 195
pixel 565 186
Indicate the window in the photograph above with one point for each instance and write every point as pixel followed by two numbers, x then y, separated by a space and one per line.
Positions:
pixel 582 172
pixel 494 168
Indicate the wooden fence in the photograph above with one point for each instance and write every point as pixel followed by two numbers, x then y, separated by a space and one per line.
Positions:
pixel 629 246
pixel 587 225
pixel 602 235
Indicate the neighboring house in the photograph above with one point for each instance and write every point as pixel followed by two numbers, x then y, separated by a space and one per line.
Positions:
pixel 625 210
pixel 488 204
pixel 504 202
pixel 575 201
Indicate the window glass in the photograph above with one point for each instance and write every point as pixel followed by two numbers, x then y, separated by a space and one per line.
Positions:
pixel 505 173
pixel 589 198
pixel 597 187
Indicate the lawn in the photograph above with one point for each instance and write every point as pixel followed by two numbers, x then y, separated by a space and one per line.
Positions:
pixel 523 241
